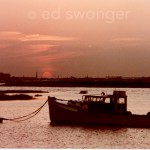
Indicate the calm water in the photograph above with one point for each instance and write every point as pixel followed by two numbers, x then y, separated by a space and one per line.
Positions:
pixel 38 133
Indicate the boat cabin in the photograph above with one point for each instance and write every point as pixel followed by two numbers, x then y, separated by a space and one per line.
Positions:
pixel 115 103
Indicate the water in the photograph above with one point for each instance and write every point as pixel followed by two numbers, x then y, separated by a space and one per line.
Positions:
pixel 38 133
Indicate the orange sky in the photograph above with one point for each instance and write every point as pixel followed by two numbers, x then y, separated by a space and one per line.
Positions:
pixel 75 38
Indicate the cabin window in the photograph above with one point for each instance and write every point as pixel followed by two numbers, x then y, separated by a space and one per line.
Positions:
pixel 121 101
pixel 94 99
pixel 107 100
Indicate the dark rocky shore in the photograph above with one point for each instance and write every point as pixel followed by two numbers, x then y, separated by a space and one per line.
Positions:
pixel 19 94
pixel 22 91
pixel 4 97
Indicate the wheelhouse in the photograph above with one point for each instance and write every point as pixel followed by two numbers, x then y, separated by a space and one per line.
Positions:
pixel 116 103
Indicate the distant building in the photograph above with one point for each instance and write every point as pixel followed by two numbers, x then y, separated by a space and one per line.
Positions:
pixel 4 76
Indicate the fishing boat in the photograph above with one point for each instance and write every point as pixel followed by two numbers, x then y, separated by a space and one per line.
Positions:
pixel 96 110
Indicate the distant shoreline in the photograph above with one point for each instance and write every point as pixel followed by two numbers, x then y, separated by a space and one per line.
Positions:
pixel 82 83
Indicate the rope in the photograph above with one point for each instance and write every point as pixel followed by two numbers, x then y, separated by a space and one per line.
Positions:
pixel 26 117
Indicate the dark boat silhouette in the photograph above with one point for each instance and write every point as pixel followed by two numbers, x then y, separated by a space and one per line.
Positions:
pixel 83 92
pixel 96 110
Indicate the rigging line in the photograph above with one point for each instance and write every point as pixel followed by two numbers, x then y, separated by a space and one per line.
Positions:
pixel 33 113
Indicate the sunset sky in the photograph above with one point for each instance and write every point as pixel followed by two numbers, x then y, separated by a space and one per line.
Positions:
pixel 77 38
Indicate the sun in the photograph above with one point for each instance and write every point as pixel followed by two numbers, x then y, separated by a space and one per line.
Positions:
pixel 46 74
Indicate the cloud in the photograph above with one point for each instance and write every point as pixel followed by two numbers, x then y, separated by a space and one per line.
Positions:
pixel 37 37
pixel 32 51
pixel 127 42
pixel 40 47
pixel 10 35
pixel 13 35
pixel 29 43
pixel 127 39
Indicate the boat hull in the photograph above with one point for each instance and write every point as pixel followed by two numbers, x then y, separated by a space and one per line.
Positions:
pixel 64 114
